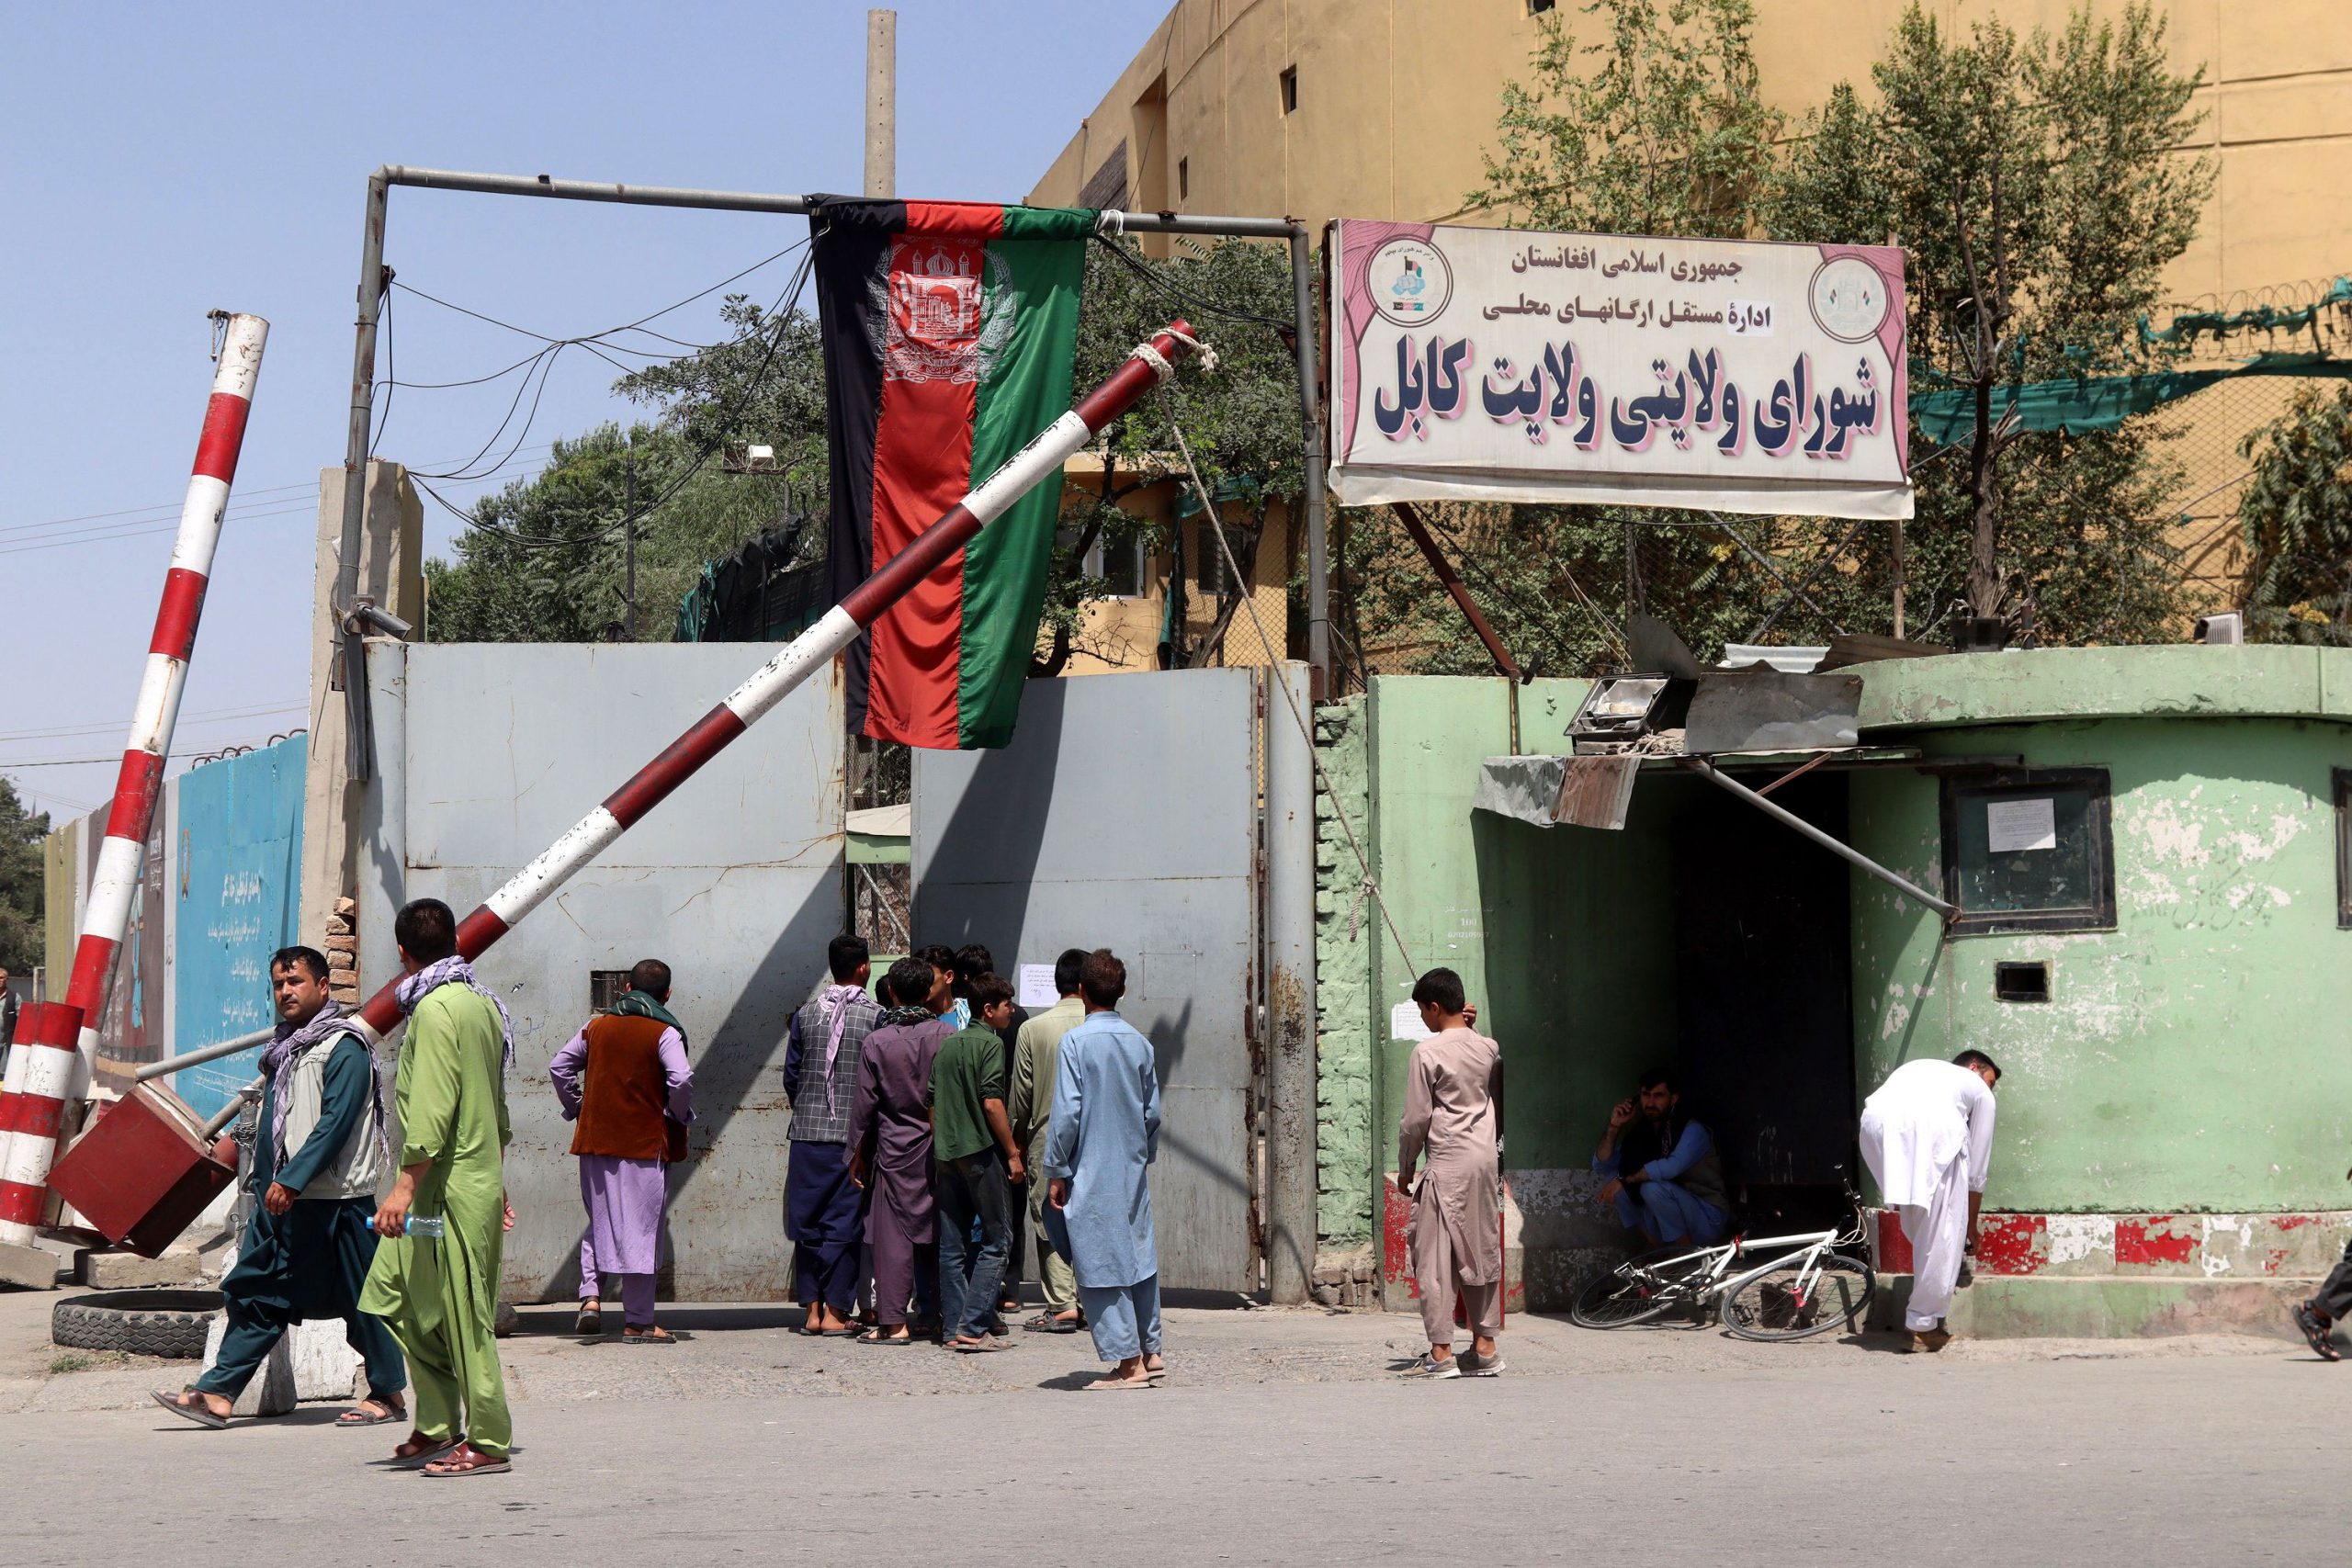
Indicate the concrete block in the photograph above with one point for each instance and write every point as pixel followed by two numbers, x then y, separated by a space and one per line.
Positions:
pixel 128 1271
pixel 271 1392
pixel 28 1267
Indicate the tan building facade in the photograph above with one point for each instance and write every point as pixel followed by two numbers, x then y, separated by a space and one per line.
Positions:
pixel 1384 108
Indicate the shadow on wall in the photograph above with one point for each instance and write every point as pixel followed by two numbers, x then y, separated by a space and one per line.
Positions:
pixel 737 1067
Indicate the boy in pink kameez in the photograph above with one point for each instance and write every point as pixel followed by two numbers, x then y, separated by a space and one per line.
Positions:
pixel 1453 1085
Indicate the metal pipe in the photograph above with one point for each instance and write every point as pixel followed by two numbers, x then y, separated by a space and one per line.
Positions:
pixel 1194 223
pixel 758 201
pixel 810 651
pixel 1318 571
pixel 1834 845
pixel 589 190
pixel 1408 515
pixel 186 1059
pixel 58 1055
pixel 228 1112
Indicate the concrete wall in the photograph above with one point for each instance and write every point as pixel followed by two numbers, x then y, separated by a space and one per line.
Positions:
pixel 1345 931
pixel 2176 1066
pixel 735 880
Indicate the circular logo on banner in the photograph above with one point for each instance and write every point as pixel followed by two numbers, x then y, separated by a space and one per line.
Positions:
pixel 1410 282
pixel 1850 298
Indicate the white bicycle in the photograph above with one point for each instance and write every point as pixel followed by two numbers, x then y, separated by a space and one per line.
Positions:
pixel 1803 1285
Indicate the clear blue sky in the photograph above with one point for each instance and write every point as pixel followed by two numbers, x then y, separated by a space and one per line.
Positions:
pixel 164 160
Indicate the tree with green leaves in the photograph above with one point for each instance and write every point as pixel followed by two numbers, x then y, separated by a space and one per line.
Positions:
pixel 1242 421
pixel 21 912
pixel 545 558
pixel 2044 168
pixel 2035 183
pixel 2296 514
pixel 1654 129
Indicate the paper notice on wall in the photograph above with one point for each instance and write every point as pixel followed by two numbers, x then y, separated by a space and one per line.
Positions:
pixel 1037 991
pixel 1404 1023
pixel 2013 825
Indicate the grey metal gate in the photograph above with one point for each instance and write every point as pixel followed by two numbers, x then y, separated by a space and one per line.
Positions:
pixel 1127 813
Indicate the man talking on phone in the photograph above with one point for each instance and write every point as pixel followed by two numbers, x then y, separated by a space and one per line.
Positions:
pixel 1660 1169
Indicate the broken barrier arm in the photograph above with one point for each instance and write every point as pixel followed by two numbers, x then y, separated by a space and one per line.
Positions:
pixel 812 650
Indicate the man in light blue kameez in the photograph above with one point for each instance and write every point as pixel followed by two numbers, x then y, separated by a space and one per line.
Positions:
pixel 1099 1147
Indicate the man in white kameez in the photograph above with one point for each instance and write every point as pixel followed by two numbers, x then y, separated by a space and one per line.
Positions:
pixel 1928 1138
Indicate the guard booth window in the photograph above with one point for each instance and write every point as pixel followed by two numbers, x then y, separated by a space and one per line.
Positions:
pixel 2029 849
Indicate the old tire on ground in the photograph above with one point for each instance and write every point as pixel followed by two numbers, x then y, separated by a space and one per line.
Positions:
pixel 139 1322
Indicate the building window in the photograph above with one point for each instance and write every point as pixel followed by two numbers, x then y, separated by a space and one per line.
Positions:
pixel 1208 562
pixel 1290 89
pixel 605 988
pixel 2029 849
pixel 1183 178
pixel 1537 7
pixel 2344 848
pixel 1120 566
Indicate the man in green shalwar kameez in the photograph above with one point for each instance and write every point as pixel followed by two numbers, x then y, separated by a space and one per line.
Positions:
pixel 439 1295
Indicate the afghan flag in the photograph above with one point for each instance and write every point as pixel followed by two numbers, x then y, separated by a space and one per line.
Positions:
pixel 949 330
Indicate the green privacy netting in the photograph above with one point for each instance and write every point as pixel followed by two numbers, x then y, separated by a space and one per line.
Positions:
pixel 2098 402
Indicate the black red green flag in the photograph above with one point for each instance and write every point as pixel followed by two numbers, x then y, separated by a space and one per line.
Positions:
pixel 949 332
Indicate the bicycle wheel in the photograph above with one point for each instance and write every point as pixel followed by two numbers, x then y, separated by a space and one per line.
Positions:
pixel 1800 1297
pixel 1638 1290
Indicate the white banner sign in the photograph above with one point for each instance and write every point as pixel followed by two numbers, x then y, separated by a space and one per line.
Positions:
pixel 1499 364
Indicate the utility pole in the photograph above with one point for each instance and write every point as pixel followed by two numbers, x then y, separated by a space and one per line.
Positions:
pixel 881 102
pixel 629 531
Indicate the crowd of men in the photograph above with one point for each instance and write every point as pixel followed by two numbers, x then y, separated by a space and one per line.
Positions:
pixel 931 1116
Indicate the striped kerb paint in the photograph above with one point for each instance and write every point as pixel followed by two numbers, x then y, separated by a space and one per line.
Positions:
pixel 56 1043
pixel 810 651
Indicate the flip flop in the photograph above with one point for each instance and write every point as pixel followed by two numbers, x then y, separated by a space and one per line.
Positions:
pixel 647 1337
pixel 190 1410
pixel 356 1416
pixel 982 1348
pixel 467 1459
pixel 589 1321
pixel 1116 1385
pixel 875 1336
pixel 1046 1323
pixel 420 1451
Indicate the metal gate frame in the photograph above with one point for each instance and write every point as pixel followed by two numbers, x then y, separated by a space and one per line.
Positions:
pixel 1276 1155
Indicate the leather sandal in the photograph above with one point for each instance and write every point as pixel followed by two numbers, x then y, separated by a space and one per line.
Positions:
pixel 358 1415
pixel 420 1450
pixel 467 1459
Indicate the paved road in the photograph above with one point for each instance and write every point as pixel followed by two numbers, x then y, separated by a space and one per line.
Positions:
pixel 1282 1438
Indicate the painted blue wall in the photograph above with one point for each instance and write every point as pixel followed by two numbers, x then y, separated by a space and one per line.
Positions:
pixel 238 881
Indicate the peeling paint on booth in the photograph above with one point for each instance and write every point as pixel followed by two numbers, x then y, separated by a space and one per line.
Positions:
pixel 2151 1080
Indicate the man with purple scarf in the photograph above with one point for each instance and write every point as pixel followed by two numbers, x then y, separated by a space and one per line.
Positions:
pixel 824 1210
pixel 321 1151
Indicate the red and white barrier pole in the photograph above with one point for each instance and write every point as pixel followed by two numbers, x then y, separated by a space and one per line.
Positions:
pixel 807 653
pixel 56 1044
